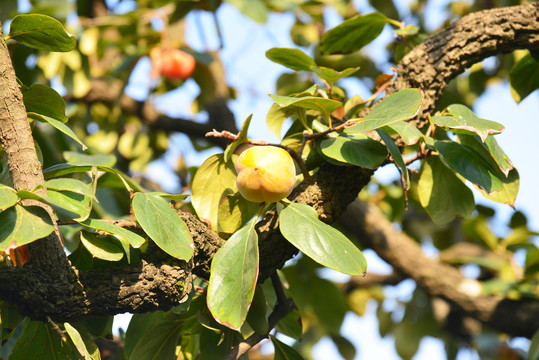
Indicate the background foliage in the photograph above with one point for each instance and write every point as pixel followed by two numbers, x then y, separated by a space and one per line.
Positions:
pixel 108 128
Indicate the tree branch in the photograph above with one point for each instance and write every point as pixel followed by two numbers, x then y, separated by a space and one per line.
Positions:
pixel 517 318
pixel 220 116
pixel 434 63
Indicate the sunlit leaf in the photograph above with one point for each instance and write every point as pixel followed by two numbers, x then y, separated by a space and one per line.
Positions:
pixel 132 238
pixel 242 137
pixel 234 212
pixel 255 9
pixel 442 193
pixel 39 341
pixel 524 77
pixel 234 271
pixel 358 149
pixel 464 120
pixel 300 225
pixel 68 184
pixel 8 197
pixel 21 225
pixel 294 59
pixel 58 125
pixel 276 117
pixel 102 247
pixel 354 33
pixel 84 344
pixel 323 105
pixel 408 132
pixel 402 105
pixel 330 75
pixel 397 156
pixel 68 204
pixel 41 32
pixel 163 225
pixel 214 179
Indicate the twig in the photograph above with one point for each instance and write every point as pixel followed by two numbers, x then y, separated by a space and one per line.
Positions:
pixel 280 311
pixel 278 287
pixel 56 328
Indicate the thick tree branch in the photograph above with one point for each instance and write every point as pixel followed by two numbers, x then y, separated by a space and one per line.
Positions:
pixel 517 318
pixel 431 65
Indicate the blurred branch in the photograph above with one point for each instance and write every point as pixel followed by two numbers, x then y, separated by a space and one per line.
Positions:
pixel 220 116
pixel 517 318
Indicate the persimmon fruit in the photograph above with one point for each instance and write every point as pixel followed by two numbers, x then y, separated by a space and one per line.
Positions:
pixel 173 64
pixel 265 174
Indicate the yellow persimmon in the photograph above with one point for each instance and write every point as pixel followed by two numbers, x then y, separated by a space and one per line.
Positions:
pixel 265 173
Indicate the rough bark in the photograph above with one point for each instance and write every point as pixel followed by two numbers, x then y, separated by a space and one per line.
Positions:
pixel 153 284
pixel 431 65
pixel 518 318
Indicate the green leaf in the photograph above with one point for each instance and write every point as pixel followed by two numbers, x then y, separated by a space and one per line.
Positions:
pixel 471 165
pixel 283 351
pixel 409 30
pixel 39 341
pixel 397 156
pixel 508 193
pixel 300 225
pixel 256 317
pixel 41 32
pixel 68 204
pixel 408 132
pixel 353 34
pixel 242 137
pixel 489 150
pixel 68 184
pixel 8 197
pixel 524 77
pixel 84 344
pixel 533 352
pixel 234 212
pixel 64 169
pixel 102 247
pixel 132 238
pixel 160 344
pixel 442 193
pixel 163 225
pixel 323 105
pixel 291 325
pixel 330 75
pixel 76 158
pixel 138 326
pixel 58 125
pixel 44 101
pixel 234 271
pixel 463 120
pixel 358 149
pixel 214 179
pixel 276 117
pixel 255 9
pixel 164 195
pixel 402 105
pixel 294 59
pixel 21 225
